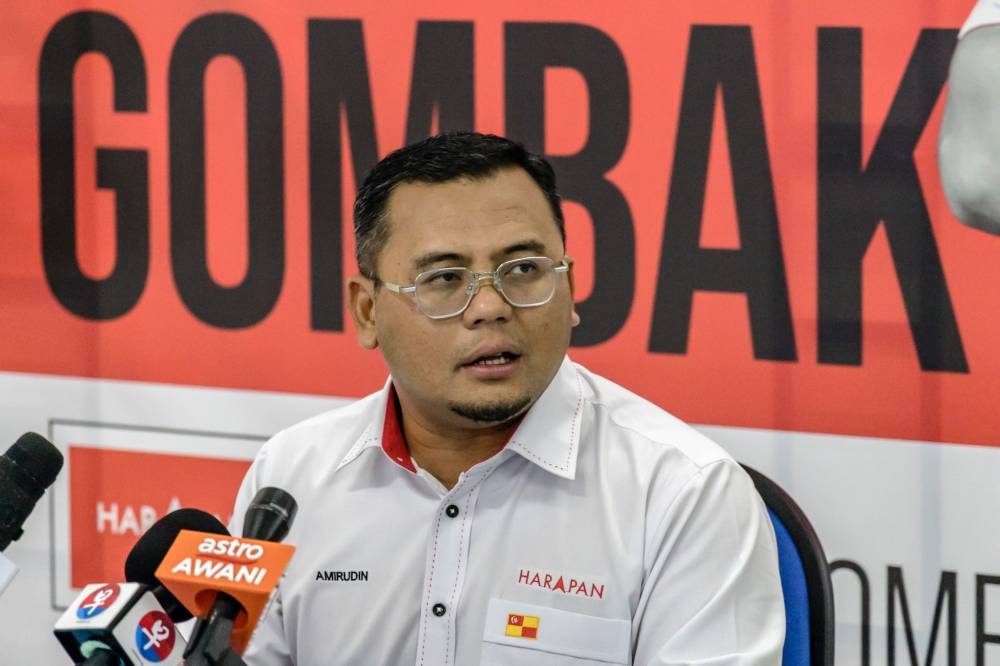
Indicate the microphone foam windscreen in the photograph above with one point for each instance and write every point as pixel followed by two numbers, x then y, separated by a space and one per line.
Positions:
pixel 28 467
pixel 37 457
pixel 150 549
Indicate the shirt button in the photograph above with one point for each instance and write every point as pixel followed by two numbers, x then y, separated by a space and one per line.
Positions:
pixel 439 609
pixel 451 511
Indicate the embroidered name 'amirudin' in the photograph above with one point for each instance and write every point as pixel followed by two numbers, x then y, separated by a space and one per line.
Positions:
pixel 563 584
pixel 342 576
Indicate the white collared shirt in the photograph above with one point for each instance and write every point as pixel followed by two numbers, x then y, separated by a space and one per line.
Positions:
pixel 606 531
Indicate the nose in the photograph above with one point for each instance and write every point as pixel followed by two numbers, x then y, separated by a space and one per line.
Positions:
pixel 487 304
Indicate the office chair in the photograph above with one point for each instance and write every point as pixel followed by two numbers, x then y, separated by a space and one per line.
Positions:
pixel 805 579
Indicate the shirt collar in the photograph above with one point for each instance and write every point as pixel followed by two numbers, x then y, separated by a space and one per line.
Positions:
pixel 393 443
pixel 387 434
pixel 548 436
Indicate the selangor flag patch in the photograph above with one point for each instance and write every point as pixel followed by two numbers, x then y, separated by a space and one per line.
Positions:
pixel 522 626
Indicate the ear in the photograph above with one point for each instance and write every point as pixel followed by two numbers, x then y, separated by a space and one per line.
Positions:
pixel 361 300
pixel 574 317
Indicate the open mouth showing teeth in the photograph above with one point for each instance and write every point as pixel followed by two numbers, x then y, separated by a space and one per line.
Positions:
pixel 499 359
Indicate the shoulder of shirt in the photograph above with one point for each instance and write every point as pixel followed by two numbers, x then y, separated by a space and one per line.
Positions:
pixel 985 13
pixel 650 430
pixel 327 436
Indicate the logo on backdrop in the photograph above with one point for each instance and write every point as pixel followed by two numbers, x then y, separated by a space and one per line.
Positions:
pixel 122 479
pixel 154 637
pixel 97 602
pixel 114 512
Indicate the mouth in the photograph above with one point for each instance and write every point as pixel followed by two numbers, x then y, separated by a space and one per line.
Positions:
pixel 491 360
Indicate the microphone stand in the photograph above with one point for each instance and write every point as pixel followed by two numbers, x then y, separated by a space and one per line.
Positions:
pixel 267 518
pixel 209 642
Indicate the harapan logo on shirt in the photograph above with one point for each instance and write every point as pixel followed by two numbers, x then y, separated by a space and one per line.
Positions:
pixel 341 576
pixel 563 584
pixel 522 626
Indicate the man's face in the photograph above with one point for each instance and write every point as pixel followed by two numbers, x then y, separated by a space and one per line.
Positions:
pixel 488 364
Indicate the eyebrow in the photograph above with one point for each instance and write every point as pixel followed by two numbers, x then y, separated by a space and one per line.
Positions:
pixel 429 258
pixel 425 260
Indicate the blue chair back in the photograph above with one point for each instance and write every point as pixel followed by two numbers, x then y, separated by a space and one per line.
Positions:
pixel 805 579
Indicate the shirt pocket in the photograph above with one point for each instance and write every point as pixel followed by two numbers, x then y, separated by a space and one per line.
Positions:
pixel 519 634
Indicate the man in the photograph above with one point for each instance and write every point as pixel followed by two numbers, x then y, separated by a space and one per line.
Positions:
pixel 496 503
pixel 969 141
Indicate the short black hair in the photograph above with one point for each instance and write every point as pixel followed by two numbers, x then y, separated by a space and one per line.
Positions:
pixel 440 159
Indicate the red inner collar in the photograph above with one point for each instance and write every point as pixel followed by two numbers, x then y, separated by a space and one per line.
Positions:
pixel 393 442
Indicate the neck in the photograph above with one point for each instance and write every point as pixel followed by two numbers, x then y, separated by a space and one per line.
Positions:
pixel 446 453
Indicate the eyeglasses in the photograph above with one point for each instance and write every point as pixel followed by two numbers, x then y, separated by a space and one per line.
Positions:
pixel 525 282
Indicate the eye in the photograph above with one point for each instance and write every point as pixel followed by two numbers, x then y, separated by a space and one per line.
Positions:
pixel 523 268
pixel 444 277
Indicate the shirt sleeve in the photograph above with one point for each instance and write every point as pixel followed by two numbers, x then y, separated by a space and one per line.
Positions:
pixel 268 646
pixel 713 592
pixel 969 138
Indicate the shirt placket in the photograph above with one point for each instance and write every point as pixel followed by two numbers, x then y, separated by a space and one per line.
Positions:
pixel 447 559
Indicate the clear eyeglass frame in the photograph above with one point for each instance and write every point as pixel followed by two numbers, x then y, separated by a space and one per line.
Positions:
pixel 476 279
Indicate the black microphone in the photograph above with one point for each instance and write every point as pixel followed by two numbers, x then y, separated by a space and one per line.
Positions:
pixel 270 515
pixel 133 623
pixel 152 547
pixel 28 467
pixel 268 518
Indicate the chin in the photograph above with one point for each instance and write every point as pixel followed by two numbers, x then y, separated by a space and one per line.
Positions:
pixel 491 411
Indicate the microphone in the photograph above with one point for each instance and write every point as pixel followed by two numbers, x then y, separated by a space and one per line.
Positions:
pixel 270 515
pixel 151 549
pixel 28 467
pixel 227 582
pixel 119 623
pixel 133 623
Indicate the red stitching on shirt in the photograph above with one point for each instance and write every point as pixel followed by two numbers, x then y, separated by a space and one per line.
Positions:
pixel 572 433
pixel 437 527
pixel 576 414
pixel 453 599
pixel 357 449
pixel 430 581
pixel 537 457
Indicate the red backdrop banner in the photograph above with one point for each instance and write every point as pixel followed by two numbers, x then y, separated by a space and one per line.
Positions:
pixel 751 191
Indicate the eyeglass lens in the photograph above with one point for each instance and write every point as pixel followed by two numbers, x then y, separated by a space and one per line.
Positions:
pixel 523 282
